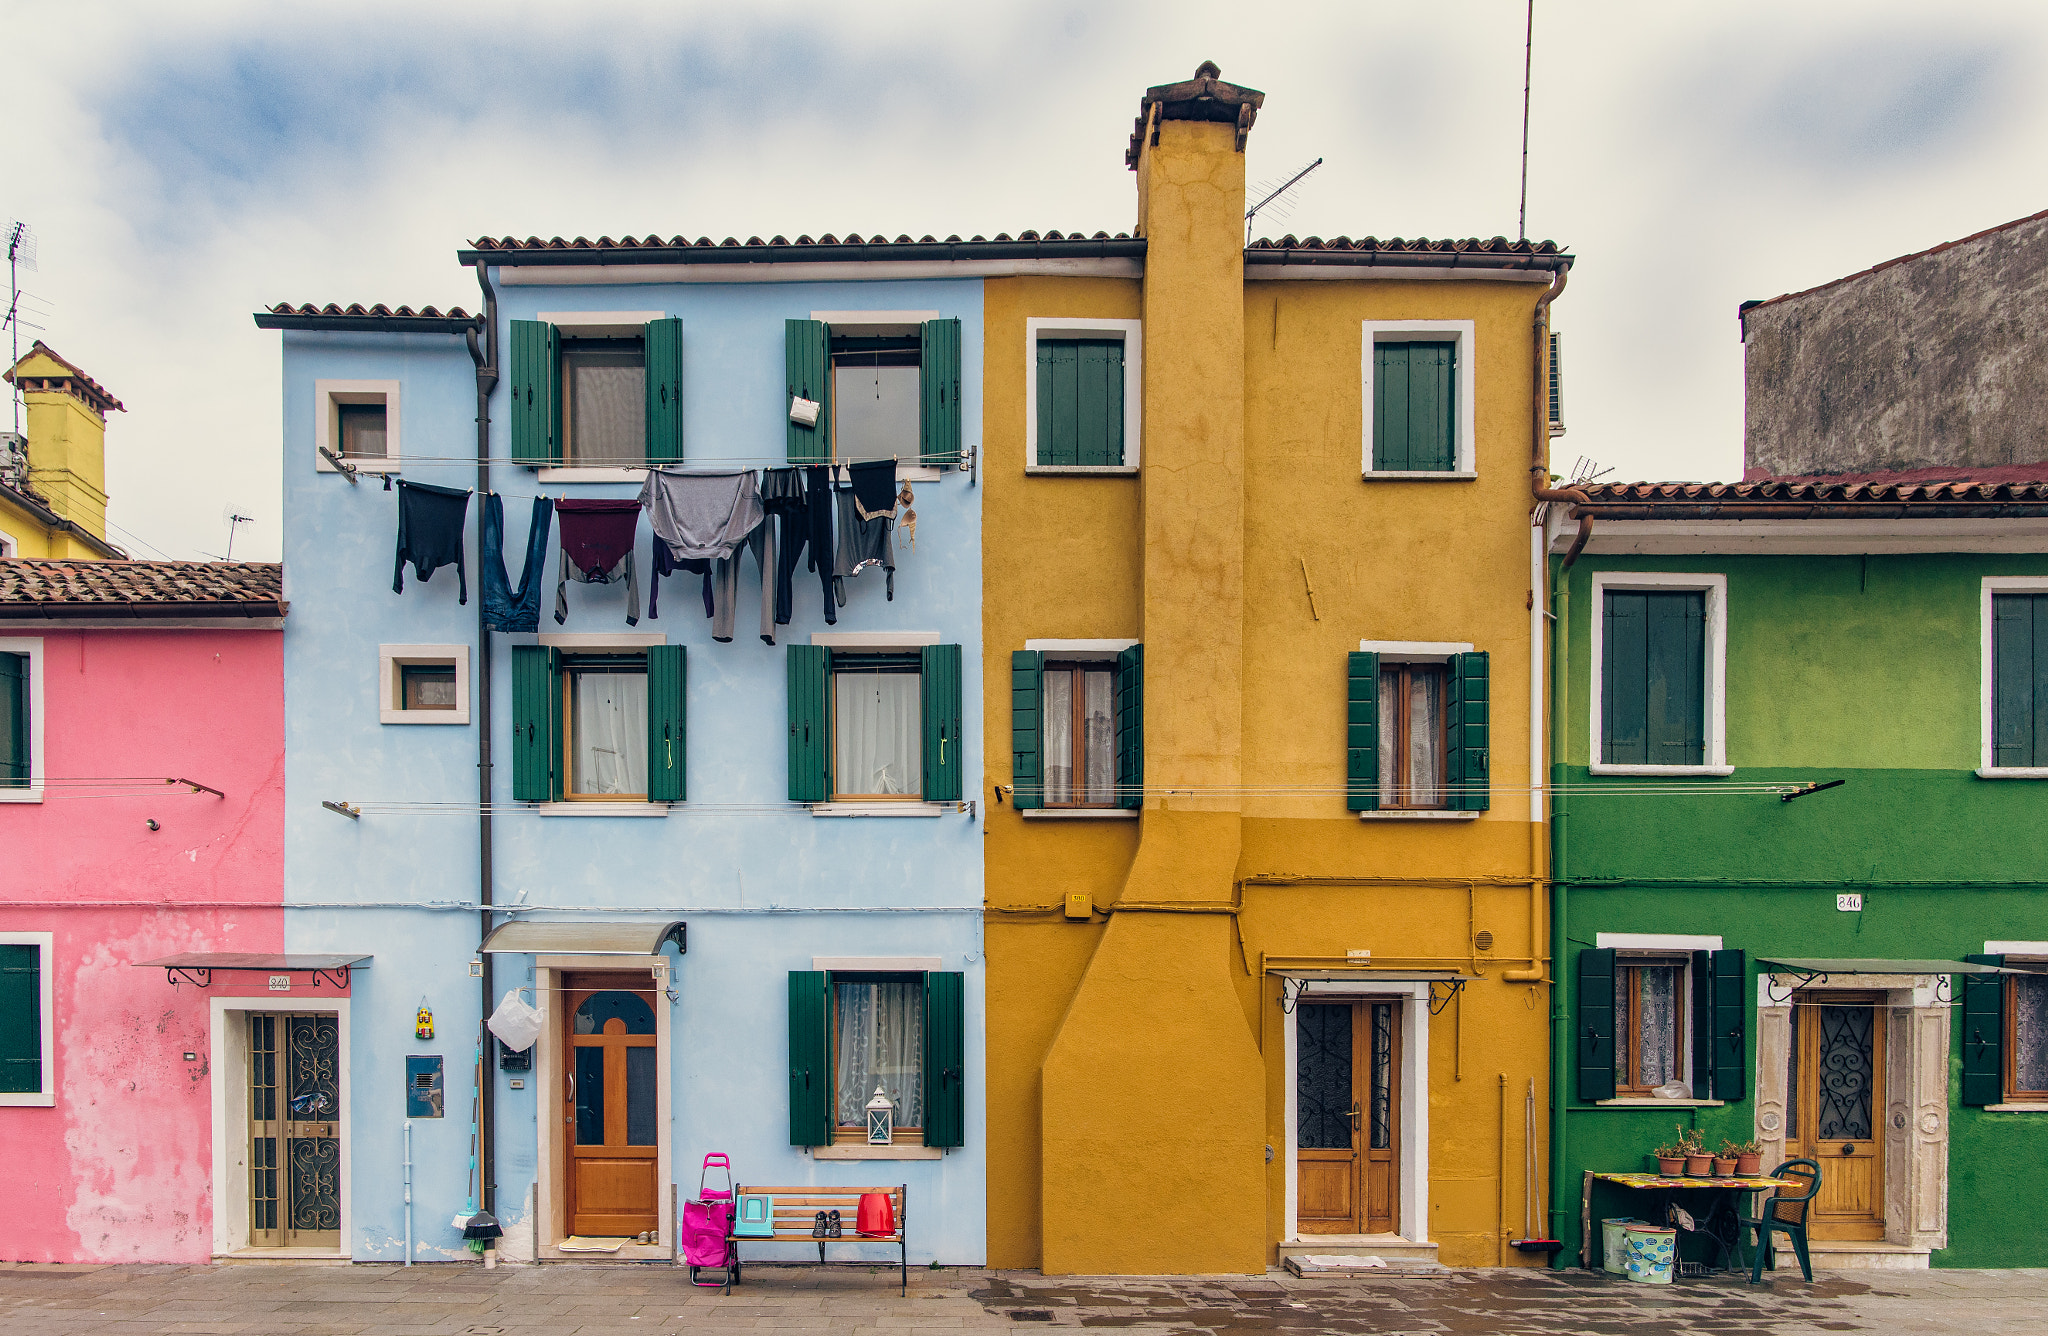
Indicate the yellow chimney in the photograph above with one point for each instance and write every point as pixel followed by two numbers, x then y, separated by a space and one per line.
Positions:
pixel 67 444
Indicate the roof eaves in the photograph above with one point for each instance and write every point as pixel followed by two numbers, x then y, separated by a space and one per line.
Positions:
pixel 357 318
pixel 828 249
pixel 51 519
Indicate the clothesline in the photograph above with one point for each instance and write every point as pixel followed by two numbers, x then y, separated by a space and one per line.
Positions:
pixel 762 461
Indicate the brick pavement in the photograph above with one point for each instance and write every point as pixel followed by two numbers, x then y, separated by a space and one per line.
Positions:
pixel 458 1300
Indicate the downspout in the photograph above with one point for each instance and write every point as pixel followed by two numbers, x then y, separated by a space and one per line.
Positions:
pixel 1560 891
pixel 485 355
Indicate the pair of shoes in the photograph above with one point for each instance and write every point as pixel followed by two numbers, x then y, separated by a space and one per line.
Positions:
pixel 832 1225
pixel 818 1225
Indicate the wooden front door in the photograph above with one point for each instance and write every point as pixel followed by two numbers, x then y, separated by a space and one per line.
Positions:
pixel 1837 1108
pixel 609 1101
pixel 1347 1123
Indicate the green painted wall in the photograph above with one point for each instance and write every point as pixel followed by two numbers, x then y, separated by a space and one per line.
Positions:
pixel 1865 670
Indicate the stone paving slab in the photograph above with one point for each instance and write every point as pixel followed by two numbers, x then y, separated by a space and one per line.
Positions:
pixel 571 1299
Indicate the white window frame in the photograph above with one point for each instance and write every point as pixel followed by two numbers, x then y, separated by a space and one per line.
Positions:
pixel 1084 651
pixel 38 722
pixel 854 642
pixel 2031 953
pixel 1132 332
pixel 597 325
pixel 1988 671
pixel 46 984
pixel 1461 333
pixel 1658 948
pixel 391 659
pixel 328 396
pixel 1416 651
pixel 1715 586
pixel 9 545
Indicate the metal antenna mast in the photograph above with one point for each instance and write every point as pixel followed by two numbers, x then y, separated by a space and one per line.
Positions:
pixel 1528 54
pixel 1285 186
pixel 21 253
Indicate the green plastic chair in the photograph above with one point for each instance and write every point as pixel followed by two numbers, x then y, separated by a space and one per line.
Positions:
pixel 1786 1215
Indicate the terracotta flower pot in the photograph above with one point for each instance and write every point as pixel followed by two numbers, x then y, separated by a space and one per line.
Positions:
pixel 1747 1165
pixel 1699 1166
pixel 1671 1166
pixel 1724 1167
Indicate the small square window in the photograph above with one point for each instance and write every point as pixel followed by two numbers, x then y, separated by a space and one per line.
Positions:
pixel 877 726
pixel 1411 711
pixel 878 1043
pixel 427 686
pixel 423 684
pixel 362 431
pixel 356 423
pixel 604 402
pixel 875 397
pixel 604 726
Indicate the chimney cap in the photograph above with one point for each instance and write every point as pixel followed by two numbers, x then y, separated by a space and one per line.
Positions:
pixel 1205 97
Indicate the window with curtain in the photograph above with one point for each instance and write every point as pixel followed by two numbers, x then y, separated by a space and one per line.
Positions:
pixel 878 1042
pixel 604 401
pixel 877 726
pixel 605 726
pixel 1411 735
pixel 2027 1035
pixel 1080 734
pixel 1650 999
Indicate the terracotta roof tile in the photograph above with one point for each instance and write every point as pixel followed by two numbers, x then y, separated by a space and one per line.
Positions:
pixel 380 310
pixel 876 240
pixel 94 391
pixel 56 588
pixel 1938 487
pixel 1410 245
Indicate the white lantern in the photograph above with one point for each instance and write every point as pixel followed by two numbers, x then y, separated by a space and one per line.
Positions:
pixel 881 1119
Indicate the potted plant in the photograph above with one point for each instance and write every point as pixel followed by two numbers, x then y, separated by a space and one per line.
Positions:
pixel 1749 1157
pixel 1698 1162
pixel 1724 1160
pixel 1670 1160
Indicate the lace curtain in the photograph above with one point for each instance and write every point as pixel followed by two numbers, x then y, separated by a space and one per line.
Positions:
pixel 877 745
pixel 881 1042
pixel 1098 739
pixel 609 742
pixel 2030 1032
pixel 1417 744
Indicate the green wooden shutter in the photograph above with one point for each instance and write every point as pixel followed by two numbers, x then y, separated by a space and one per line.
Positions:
pixel 807 353
pixel 663 341
pixel 1081 402
pixel 1130 728
pixel 668 680
pixel 21 1019
pixel 1362 732
pixel 1728 1028
pixel 1414 409
pixel 1596 1024
pixel 945 1059
pixel 1701 1024
pixel 810 1058
pixel 536 411
pixel 1059 401
pixel 939 389
pixel 14 721
pixel 810 723
pixel 2019 684
pixel 1624 679
pixel 533 723
pixel 1677 664
pixel 1984 1034
pixel 940 692
pixel 1027 728
pixel 1468 748
pixel 1556 384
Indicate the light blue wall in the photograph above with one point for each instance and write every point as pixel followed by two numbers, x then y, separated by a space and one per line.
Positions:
pixel 763 889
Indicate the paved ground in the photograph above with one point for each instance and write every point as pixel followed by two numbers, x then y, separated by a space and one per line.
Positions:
pixel 512 1301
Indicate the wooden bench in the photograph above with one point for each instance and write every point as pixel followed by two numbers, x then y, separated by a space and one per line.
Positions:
pixel 796 1211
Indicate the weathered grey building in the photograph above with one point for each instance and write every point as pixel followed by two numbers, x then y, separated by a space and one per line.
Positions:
pixel 1937 359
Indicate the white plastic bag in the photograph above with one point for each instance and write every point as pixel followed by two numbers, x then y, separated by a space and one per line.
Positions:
pixel 516 1024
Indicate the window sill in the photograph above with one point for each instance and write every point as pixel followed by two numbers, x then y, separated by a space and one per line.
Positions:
pixel 375 467
pixel 1426 815
pixel 1079 814
pixel 1419 475
pixel 32 793
pixel 28 1100
pixel 423 717
pixel 857 1151
pixel 1081 470
pixel 573 473
pixel 2014 772
pixel 2041 1107
pixel 604 809
pixel 1663 769
pixel 878 809
pixel 1651 1102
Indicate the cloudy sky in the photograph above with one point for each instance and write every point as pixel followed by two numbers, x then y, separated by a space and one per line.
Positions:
pixel 184 165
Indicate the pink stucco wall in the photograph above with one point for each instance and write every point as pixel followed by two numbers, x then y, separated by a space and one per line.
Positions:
pixel 120 1169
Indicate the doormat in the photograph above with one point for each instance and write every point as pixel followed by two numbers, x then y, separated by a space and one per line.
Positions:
pixel 580 1244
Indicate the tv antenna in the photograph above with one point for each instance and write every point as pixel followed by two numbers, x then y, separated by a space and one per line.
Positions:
pixel 235 519
pixel 21 254
pixel 1528 55
pixel 1282 207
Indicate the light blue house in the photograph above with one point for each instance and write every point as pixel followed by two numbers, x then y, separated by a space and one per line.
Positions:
pixel 743 881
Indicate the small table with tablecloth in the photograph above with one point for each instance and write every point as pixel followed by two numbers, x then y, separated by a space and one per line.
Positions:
pixel 1719 1224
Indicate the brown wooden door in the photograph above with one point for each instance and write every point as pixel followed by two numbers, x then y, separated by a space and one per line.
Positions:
pixel 609 1106
pixel 1347 1110
pixel 1837 1108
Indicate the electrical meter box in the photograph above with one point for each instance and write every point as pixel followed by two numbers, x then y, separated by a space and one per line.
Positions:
pixel 423 1085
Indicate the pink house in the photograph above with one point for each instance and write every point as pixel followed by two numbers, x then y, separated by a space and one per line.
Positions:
pixel 141 817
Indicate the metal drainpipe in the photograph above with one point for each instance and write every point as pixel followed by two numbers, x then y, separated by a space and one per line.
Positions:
pixel 485 355
pixel 1560 893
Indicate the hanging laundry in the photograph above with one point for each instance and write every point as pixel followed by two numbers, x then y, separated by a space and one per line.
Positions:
pixel 665 563
pixel 906 518
pixel 725 584
pixel 818 506
pixel 711 516
pixel 430 521
pixel 506 609
pixel 874 488
pixel 597 548
pixel 862 543
pixel 782 493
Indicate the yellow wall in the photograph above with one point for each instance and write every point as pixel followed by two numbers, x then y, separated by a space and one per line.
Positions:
pixel 67 465
pixel 1137 1065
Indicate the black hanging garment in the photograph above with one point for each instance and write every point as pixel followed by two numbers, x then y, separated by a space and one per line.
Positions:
pixel 506 609
pixel 782 492
pixel 666 563
pixel 874 488
pixel 824 557
pixel 430 521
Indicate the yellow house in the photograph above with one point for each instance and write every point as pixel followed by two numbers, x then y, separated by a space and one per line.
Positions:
pixel 1267 962
pixel 53 478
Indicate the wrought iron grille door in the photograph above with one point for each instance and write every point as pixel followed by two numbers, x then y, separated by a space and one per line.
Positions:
pixel 294 1130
